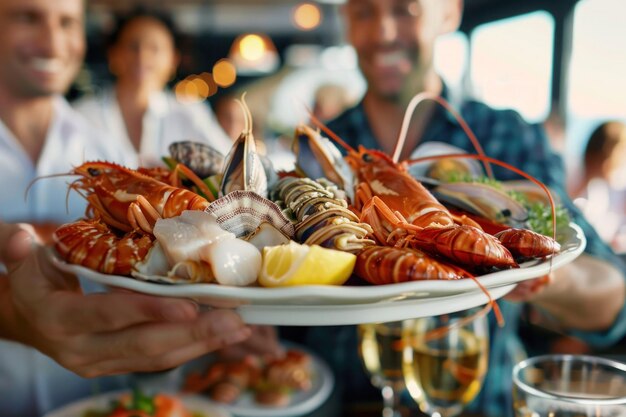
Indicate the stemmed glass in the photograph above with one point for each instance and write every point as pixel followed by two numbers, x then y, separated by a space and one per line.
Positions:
pixel 445 360
pixel 569 386
pixel 380 349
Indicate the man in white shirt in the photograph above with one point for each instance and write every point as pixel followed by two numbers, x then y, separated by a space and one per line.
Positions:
pixel 41 49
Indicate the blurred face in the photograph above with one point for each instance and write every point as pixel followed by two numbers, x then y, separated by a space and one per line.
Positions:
pixel 394 39
pixel 42 45
pixel 144 54
pixel 616 163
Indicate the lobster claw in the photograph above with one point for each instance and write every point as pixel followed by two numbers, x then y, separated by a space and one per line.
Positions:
pixel 243 168
pixel 318 157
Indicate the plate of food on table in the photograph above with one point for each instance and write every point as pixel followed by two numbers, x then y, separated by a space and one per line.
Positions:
pixel 250 385
pixel 138 404
pixel 337 240
pixel 253 386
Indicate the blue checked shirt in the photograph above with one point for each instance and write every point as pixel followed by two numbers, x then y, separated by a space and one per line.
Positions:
pixel 504 135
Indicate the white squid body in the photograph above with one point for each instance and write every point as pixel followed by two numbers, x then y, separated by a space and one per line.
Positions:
pixel 198 249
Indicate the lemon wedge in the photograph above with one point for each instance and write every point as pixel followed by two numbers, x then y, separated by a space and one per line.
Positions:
pixel 296 264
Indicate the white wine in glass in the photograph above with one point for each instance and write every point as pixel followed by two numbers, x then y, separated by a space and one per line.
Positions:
pixel 445 361
pixel 380 349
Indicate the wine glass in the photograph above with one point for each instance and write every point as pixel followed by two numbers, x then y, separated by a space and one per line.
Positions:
pixel 380 349
pixel 445 360
pixel 569 386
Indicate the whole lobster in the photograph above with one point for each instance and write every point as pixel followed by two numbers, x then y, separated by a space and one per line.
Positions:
pixel 123 205
pixel 129 200
pixel 403 212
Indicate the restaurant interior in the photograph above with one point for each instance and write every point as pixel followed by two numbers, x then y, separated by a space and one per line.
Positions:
pixel 559 64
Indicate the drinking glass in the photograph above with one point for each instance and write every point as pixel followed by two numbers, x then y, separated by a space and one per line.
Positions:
pixel 569 386
pixel 380 349
pixel 445 360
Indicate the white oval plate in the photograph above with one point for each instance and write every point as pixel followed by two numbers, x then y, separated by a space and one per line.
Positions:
pixel 334 305
pixel 194 403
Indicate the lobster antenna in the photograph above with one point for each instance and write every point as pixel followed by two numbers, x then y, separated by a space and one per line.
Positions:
pixel 417 99
pixel 30 185
pixel 67 194
pixel 320 125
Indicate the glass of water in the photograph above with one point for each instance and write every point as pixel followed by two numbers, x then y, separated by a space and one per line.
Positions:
pixel 569 386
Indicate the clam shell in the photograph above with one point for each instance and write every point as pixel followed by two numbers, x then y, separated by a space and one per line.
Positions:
pixel 317 156
pixel 242 212
pixel 202 159
pixel 267 235
pixel 484 200
pixel 438 169
pixel 243 168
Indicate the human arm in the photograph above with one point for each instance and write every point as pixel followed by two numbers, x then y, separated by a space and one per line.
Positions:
pixel 587 294
pixel 100 334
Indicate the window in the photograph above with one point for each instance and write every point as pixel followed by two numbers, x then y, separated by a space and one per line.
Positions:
pixel 511 64
pixel 598 66
pixel 451 58
pixel 597 76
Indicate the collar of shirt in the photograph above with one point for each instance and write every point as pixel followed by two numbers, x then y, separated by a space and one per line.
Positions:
pixel 354 127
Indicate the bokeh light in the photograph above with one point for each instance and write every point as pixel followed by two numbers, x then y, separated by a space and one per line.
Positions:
pixel 252 47
pixel 210 82
pixel 224 73
pixel 186 91
pixel 201 86
pixel 307 16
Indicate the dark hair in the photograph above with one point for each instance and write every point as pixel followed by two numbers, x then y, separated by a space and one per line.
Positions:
pixel 122 21
pixel 603 141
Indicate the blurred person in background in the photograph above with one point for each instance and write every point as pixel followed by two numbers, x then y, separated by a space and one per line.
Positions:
pixel 143 57
pixel 329 101
pixel 394 41
pixel 229 113
pixel 51 334
pixel 601 192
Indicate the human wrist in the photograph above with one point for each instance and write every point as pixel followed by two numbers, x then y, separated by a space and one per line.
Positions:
pixel 12 325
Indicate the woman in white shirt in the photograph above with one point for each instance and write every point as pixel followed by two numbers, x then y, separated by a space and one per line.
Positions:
pixel 139 109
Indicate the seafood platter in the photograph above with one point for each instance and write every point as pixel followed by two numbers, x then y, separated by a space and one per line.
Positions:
pixel 338 240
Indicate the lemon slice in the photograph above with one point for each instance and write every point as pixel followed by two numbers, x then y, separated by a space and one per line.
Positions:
pixel 295 264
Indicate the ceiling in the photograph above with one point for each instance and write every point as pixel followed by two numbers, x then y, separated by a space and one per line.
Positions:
pixel 274 16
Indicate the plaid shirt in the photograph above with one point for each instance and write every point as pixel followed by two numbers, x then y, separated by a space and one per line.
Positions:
pixel 504 135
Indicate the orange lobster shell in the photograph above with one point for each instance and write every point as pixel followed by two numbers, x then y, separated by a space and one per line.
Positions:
pixel 128 200
pixel 92 244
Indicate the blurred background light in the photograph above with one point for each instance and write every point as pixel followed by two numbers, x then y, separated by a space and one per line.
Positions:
pixel 207 77
pixel 307 16
pixel 224 73
pixel 252 47
pixel 253 53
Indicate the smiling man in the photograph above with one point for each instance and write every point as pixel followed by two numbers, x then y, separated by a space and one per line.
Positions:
pixel 42 45
pixel 52 334
pixel 41 52
pixel 395 42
